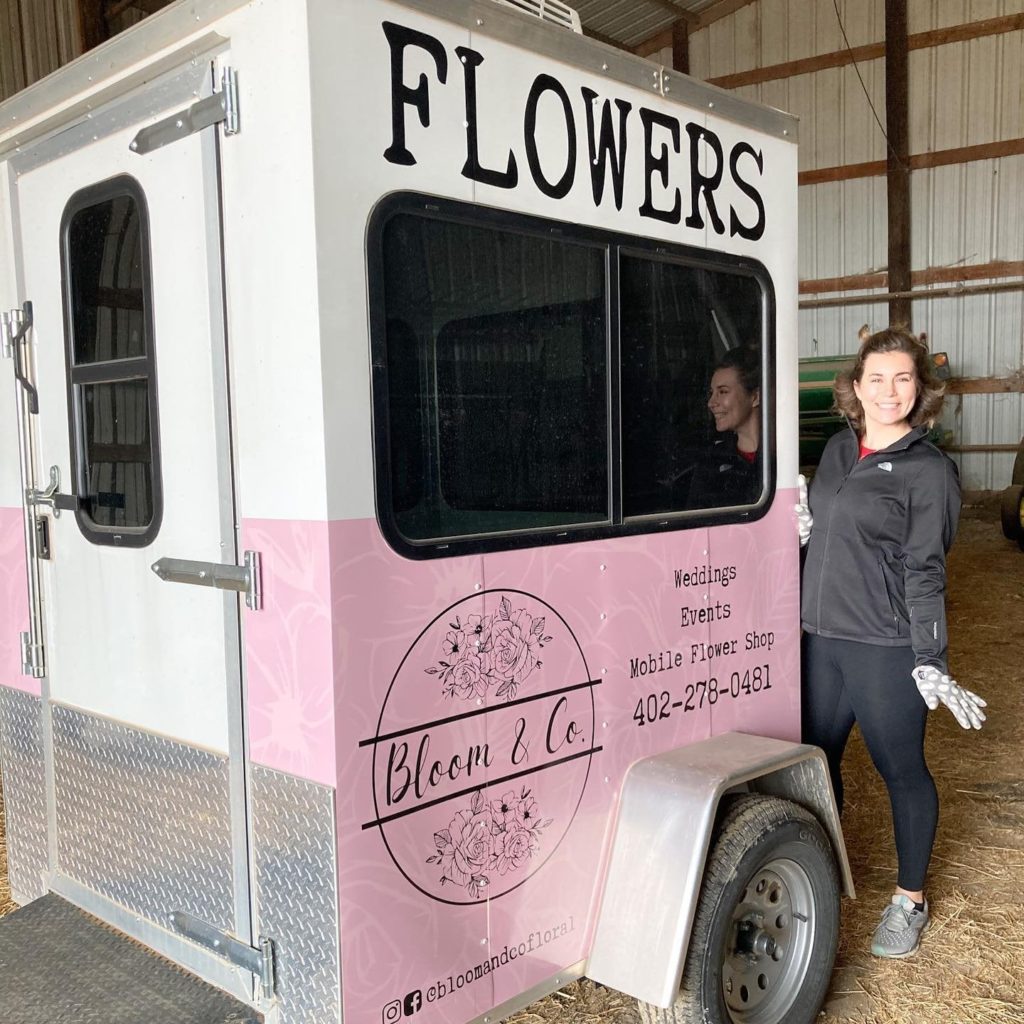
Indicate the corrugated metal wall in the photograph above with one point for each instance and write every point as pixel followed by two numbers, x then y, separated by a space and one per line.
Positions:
pixel 961 93
pixel 36 37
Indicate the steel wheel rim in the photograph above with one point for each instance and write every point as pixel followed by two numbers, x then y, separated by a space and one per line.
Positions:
pixel 769 944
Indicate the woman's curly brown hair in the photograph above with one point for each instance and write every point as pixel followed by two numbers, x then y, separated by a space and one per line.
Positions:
pixel 930 392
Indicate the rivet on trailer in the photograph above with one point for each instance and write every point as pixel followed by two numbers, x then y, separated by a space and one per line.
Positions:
pixel 398 319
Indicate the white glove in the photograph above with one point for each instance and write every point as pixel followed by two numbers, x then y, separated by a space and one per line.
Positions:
pixel 934 686
pixel 804 519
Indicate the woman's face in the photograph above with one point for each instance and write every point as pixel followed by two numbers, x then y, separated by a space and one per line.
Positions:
pixel 887 388
pixel 731 404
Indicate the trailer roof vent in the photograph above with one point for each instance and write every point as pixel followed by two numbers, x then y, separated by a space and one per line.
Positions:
pixel 547 10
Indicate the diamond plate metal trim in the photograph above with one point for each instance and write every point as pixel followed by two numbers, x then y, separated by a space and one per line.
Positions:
pixel 21 753
pixel 296 892
pixel 143 820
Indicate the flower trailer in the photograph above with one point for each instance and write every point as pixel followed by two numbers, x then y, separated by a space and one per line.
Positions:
pixel 369 647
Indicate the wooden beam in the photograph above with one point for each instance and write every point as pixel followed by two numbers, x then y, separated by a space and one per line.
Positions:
pixel 932 275
pixel 979 448
pixel 986 386
pixel 670 8
pixel 918 161
pixel 607 40
pixel 897 171
pixel 969 272
pixel 871 51
pixel 681 47
pixel 847 283
pixel 118 7
pixel 804 66
pixel 965 154
pixel 657 42
pixel 958 291
pixel 844 172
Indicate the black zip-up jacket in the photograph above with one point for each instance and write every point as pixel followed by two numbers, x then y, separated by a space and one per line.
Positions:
pixel 724 477
pixel 875 568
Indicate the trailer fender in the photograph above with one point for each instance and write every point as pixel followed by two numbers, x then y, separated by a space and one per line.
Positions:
pixel 665 824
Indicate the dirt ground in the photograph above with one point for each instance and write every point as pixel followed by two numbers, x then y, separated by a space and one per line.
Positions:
pixel 970 969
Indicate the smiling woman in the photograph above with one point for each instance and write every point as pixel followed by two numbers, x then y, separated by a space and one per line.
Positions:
pixel 886 503
pixel 887 392
pixel 730 474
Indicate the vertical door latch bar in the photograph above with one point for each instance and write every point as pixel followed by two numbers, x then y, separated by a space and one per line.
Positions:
pixel 14 328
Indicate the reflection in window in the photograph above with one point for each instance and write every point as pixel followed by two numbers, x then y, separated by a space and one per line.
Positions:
pixel 105 245
pixel 118 452
pixel 496 379
pixel 677 323
pixel 110 363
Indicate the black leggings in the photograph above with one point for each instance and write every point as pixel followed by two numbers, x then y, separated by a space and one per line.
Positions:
pixel 843 682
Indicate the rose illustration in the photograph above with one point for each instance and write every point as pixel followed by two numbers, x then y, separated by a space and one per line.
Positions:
pixel 512 650
pixel 513 848
pixel 501 835
pixel 499 651
pixel 467 677
pixel 467 851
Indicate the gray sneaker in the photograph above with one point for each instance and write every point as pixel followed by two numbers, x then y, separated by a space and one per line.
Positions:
pixel 899 933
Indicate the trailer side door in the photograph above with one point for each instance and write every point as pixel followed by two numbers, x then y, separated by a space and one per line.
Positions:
pixel 120 256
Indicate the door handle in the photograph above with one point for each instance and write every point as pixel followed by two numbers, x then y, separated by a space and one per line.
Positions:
pixel 16 325
pixel 52 497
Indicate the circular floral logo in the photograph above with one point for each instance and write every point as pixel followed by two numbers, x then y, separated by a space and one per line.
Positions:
pixel 483 746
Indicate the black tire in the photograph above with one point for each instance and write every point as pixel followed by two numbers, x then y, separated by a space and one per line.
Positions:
pixel 743 967
pixel 1017 476
pixel 1009 512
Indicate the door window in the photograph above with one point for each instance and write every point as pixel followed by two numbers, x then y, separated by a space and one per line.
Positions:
pixel 108 322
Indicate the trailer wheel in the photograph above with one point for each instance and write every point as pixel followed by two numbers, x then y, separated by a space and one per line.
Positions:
pixel 767 925
pixel 1017 476
pixel 1010 512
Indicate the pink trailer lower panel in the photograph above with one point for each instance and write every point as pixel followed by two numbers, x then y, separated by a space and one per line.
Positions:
pixel 476 716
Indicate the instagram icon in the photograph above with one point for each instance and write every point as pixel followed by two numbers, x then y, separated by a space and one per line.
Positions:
pixel 392 1012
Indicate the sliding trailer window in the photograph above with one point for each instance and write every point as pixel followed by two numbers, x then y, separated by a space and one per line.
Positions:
pixel 683 325
pixel 536 381
pixel 495 382
pixel 108 319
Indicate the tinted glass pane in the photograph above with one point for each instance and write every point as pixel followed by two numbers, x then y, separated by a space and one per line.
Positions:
pixel 118 453
pixel 677 323
pixel 497 379
pixel 105 266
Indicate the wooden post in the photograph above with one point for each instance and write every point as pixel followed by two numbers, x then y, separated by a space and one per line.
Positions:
pixel 92 23
pixel 898 157
pixel 681 46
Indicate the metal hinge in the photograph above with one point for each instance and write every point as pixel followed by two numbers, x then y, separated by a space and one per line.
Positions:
pixel 259 962
pixel 246 579
pixel 221 107
pixel 33 657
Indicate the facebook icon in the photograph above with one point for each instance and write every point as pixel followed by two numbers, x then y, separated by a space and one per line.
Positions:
pixel 412 1002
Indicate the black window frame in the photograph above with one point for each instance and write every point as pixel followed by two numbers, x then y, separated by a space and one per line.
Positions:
pixel 111 371
pixel 615 244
